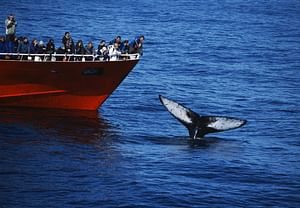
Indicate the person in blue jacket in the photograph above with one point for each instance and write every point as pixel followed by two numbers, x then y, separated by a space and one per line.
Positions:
pixel 136 46
pixel 125 47
pixel 23 46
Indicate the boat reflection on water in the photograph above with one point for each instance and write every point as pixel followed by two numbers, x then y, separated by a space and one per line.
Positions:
pixel 80 126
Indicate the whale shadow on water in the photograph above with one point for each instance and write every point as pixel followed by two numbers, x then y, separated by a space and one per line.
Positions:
pixel 204 142
pixel 184 141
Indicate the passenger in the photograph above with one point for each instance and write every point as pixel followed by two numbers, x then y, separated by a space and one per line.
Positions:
pixel 34 46
pixel 68 43
pixel 114 52
pixel 10 31
pixel 18 41
pixel 117 40
pixel 60 51
pixel 3 47
pixel 41 47
pixel 80 50
pixel 125 47
pixel 89 50
pixel 12 47
pixel 136 46
pixel 15 44
pixel 103 51
pixel 50 47
pixel 10 26
pixel 24 46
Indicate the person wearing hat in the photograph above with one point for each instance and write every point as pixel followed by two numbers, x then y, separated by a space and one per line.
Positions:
pixel 41 47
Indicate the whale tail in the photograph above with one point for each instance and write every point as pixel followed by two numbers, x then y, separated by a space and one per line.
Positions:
pixel 198 125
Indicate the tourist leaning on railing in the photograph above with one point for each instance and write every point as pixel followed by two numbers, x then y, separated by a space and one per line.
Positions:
pixel 136 46
pixel 103 51
pixel 124 47
pixel 89 50
pixel 23 45
pixel 50 47
pixel 117 40
pixel 41 47
pixel 34 46
pixel 80 50
pixel 114 51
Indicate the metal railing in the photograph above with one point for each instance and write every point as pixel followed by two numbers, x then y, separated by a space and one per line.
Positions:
pixel 66 57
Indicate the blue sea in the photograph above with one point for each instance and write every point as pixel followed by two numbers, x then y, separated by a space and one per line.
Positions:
pixel 237 58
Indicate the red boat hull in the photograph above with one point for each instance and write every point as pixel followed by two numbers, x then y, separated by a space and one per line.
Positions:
pixel 63 85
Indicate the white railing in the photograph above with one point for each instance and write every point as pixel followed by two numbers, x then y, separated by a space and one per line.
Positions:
pixel 66 57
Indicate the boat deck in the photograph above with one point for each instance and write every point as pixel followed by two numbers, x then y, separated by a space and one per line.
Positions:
pixel 64 57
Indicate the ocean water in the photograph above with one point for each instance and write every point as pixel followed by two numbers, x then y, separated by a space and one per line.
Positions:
pixel 231 58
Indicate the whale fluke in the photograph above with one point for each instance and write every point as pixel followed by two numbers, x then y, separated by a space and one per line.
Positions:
pixel 198 125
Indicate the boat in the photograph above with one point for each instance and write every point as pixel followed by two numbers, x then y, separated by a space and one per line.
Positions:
pixel 61 81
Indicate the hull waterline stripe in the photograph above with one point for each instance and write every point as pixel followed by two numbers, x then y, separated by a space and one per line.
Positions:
pixel 33 93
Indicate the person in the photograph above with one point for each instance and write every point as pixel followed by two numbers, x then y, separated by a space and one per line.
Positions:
pixel 12 47
pixel 15 44
pixel 50 47
pixel 136 46
pixel 23 48
pixel 10 27
pixel 41 47
pixel 68 43
pixel 117 40
pixel 3 47
pixel 80 50
pixel 10 31
pixel 103 51
pixel 34 46
pixel 114 52
pixel 124 48
pixel 89 50
pixel 60 51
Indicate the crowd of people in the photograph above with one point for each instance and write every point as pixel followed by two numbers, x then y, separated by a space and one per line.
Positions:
pixel 10 43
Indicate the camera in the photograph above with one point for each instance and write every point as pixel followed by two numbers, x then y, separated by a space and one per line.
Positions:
pixel 12 19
